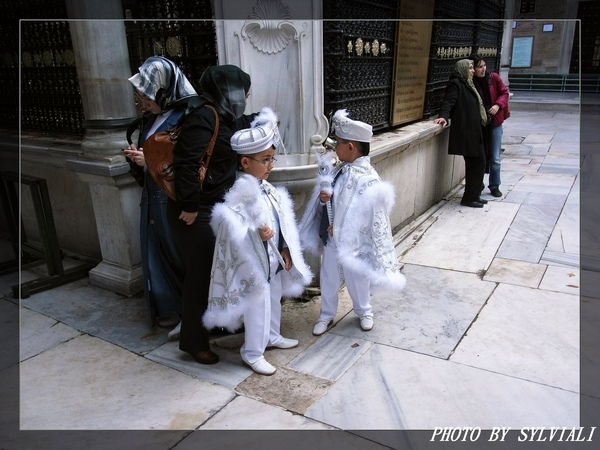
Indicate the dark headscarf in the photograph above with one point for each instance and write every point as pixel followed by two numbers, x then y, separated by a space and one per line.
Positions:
pixel 162 81
pixel 226 87
pixel 461 70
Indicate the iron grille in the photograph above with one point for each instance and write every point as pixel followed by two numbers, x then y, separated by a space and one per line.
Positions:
pixel 588 23
pixel 50 96
pixel 191 44
pixel 454 37
pixel 49 87
pixel 358 59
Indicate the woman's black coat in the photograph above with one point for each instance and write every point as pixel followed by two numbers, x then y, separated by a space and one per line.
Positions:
pixel 461 106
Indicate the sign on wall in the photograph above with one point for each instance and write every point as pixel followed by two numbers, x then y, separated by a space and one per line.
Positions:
pixel 412 61
pixel 522 49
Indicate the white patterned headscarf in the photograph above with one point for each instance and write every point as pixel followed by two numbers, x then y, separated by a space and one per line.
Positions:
pixel 162 81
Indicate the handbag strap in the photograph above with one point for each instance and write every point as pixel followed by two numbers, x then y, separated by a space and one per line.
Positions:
pixel 211 144
pixel 131 129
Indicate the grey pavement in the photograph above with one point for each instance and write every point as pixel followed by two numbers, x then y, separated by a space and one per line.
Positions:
pixel 486 333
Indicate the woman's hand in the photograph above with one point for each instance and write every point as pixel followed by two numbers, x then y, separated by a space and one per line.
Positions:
pixel 266 233
pixel 188 217
pixel 494 110
pixel 135 154
pixel 441 121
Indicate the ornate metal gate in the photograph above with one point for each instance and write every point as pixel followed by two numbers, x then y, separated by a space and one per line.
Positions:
pixel 588 14
pixel 50 99
pixel 189 43
pixel 358 59
pixel 455 36
pixel 360 79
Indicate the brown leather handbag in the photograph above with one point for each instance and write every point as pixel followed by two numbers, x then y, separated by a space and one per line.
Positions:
pixel 158 154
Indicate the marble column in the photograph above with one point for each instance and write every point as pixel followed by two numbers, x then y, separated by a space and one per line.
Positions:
pixel 505 56
pixel 102 61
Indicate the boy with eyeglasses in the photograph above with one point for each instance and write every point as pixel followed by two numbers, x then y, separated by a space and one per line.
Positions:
pixel 353 233
pixel 257 258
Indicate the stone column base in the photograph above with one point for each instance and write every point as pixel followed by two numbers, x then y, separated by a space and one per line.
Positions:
pixel 122 280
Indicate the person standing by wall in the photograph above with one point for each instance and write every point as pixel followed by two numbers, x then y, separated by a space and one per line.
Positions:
pixel 226 88
pixel 463 106
pixel 495 96
pixel 164 92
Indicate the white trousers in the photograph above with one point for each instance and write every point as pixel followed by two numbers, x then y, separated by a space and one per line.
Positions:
pixel 358 286
pixel 262 322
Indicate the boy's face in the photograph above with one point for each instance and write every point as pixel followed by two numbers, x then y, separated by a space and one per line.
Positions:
pixel 345 150
pixel 259 164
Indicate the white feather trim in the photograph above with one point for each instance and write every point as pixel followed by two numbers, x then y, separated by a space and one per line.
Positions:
pixel 340 114
pixel 266 115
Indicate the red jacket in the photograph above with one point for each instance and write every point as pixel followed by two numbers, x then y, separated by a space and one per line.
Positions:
pixel 498 95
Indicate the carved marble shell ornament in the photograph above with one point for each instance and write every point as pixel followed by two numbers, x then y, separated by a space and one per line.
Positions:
pixel 267 27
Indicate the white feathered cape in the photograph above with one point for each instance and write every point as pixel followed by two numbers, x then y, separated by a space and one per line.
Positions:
pixel 361 224
pixel 240 262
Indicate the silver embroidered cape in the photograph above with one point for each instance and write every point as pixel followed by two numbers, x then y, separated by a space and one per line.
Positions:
pixel 240 262
pixel 361 224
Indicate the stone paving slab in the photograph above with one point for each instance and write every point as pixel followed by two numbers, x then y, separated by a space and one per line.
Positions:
pixel 538 138
pixel 565 235
pixel 286 388
pixel 561 279
pixel 39 333
pixel 110 316
pixel 520 273
pixel 280 439
pixel 463 239
pixel 69 388
pixel 396 389
pixel 341 353
pixel 429 316
pixel 511 337
pixel 235 416
pixel 529 233
pixel 229 372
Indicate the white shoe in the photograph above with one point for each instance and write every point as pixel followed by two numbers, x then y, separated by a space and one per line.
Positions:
pixel 321 327
pixel 175 332
pixel 284 343
pixel 261 366
pixel 366 323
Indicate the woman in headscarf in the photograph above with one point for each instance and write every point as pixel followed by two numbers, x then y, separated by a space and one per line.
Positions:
pixel 164 92
pixel 226 88
pixel 462 106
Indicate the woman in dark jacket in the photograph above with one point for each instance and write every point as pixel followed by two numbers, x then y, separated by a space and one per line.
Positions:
pixel 164 91
pixel 226 88
pixel 463 107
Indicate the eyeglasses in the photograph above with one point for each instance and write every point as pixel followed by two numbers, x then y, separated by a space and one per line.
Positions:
pixel 264 162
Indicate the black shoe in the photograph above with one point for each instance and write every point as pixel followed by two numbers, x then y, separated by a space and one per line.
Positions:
pixel 496 192
pixel 482 200
pixel 474 204
pixel 206 357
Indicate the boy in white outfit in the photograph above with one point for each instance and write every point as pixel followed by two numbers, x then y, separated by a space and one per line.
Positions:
pixel 258 258
pixel 353 232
